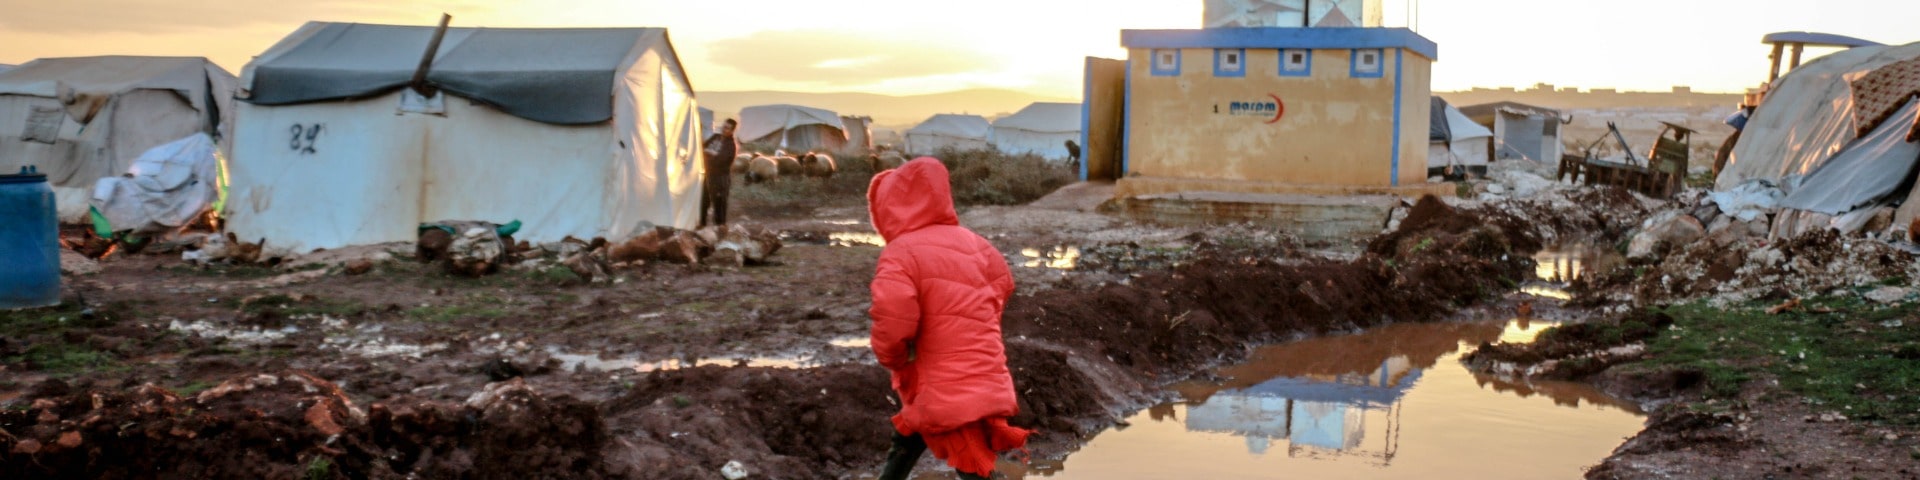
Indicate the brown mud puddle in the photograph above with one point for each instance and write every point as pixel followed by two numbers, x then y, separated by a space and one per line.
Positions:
pixel 1392 402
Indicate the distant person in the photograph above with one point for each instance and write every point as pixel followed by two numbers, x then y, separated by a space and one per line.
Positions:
pixel 1739 123
pixel 1073 154
pixel 719 149
pixel 937 298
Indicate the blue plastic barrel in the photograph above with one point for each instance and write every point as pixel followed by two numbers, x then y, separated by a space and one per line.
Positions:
pixel 29 242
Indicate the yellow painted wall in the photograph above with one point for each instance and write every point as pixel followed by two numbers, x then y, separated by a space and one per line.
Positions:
pixel 1336 130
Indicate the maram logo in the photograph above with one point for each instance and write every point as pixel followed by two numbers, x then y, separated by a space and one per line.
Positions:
pixel 1259 108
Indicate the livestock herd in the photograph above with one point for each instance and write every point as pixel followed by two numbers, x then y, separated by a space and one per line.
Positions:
pixel 757 167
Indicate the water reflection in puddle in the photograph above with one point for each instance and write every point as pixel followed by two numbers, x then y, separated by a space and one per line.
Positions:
pixel 1394 402
pixel 1568 263
pixel 1058 258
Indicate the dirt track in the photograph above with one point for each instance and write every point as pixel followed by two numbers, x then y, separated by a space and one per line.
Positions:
pixel 401 371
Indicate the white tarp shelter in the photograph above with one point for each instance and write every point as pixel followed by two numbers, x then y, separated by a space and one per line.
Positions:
pixel 1868 171
pixel 1520 131
pixel 949 130
pixel 1041 129
pixel 84 118
pixel 1807 116
pixel 1454 139
pixel 167 187
pixel 792 127
pixel 574 132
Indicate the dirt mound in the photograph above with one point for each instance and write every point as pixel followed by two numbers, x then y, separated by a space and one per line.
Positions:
pixel 778 423
pixel 1673 429
pixel 1571 352
pixel 296 425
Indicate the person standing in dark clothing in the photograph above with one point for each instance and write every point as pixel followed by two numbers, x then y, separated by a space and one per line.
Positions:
pixel 719 149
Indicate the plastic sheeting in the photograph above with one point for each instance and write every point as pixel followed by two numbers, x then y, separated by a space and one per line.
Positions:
pixel 1466 144
pixel 1867 172
pixel 1749 201
pixel 89 117
pixel 370 175
pixel 1807 116
pixel 167 187
pixel 1040 129
pixel 948 130
pixel 548 75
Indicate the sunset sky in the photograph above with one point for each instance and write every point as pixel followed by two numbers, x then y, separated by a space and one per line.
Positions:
pixel 916 46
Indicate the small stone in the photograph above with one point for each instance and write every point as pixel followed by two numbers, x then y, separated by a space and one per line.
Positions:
pixel 68 440
pixel 1496 189
pixel 358 267
pixel 27 447
pixel 1891 437
pixel 733 470
pixel 1887 295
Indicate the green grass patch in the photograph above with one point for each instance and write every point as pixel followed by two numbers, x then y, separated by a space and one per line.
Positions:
pixel 62 359
pixel 1860 359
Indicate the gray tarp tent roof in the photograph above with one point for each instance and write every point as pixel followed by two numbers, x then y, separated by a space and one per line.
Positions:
pixel 1871 169
pixel 558 76
pixel 1437 122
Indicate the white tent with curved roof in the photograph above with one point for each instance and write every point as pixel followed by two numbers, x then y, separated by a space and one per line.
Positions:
pixel 792 127
pixel 84 118
pixel 949 130
pixel 1042 129
pixel 589 132
pixel 1807 116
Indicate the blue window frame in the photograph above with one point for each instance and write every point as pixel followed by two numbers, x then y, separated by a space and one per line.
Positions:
pixel 1296 62
pixel 1166 62
pixel 1369 63
pixel 1230 62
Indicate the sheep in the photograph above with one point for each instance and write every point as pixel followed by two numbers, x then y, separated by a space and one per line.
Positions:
pixel 818 165
pixel 788 164
pixel 741 161
pixel 886 160
pixel 762 169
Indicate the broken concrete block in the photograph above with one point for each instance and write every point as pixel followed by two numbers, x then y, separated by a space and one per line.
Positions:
pixel 1662 231
pixel 1887 295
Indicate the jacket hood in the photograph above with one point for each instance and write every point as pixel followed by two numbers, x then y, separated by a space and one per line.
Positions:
pixel 915 196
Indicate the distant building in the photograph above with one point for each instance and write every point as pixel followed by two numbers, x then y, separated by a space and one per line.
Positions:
pixel 1570 90
pixel 1682 89
pixel 1604 91
pixel 1542 87
pixel 1271 110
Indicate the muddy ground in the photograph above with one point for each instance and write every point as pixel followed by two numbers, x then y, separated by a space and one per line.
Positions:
pixel 674 371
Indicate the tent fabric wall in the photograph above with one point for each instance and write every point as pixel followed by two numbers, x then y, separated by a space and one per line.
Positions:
pixel 947 130
pixel 1467 147
pixel 373 174
pixel 859 132
pixel 114 109
pixel 1041 129
pixel 1807 116
pixel 1868 171
pixel 792 127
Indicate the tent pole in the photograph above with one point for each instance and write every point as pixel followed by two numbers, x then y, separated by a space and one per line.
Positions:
pixel 1797 47
pixel 419 82
pixel 1778 49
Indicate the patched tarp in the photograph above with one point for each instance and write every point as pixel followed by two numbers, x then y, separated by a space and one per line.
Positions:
pixel 167 187
pixel 1871 169
pixel 557 76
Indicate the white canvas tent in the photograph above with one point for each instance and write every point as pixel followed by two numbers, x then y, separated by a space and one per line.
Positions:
pixel 1041 129
pixel 1454 139
pixel 574 132
pixel 1807 116
pixel 84 118
pixel 1520 131
pixel 948 130
pixel 792 127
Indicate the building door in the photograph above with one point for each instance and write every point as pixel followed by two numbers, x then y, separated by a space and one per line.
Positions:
pixel 1104 110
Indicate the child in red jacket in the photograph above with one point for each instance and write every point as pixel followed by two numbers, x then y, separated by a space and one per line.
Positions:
pixel 937 298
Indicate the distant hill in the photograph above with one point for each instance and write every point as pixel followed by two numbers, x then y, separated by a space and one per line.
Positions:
pixel 1597 99
pixel 887 111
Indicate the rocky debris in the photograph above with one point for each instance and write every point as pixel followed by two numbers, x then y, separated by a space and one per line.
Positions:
pixel 1816 262
pixel 733 470
pixel 1571 352
pixel 1662 232
pixel 1886 295
pixel 224 249
pixel 72 263
pixel 357 267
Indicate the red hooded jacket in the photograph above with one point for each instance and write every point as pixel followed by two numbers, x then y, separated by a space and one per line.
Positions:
pixel 937 298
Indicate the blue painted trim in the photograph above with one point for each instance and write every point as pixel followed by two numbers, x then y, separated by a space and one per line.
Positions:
pixel 1220 53
pixel 1283 37
pixel 1086 114
pixel 1399 81
pixel 1153 59
pixel 1126 125
pixel 1283 62
pixel 1353 63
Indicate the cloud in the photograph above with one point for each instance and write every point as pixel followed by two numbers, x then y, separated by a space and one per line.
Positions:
pixel 171 16
pixel 840 57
